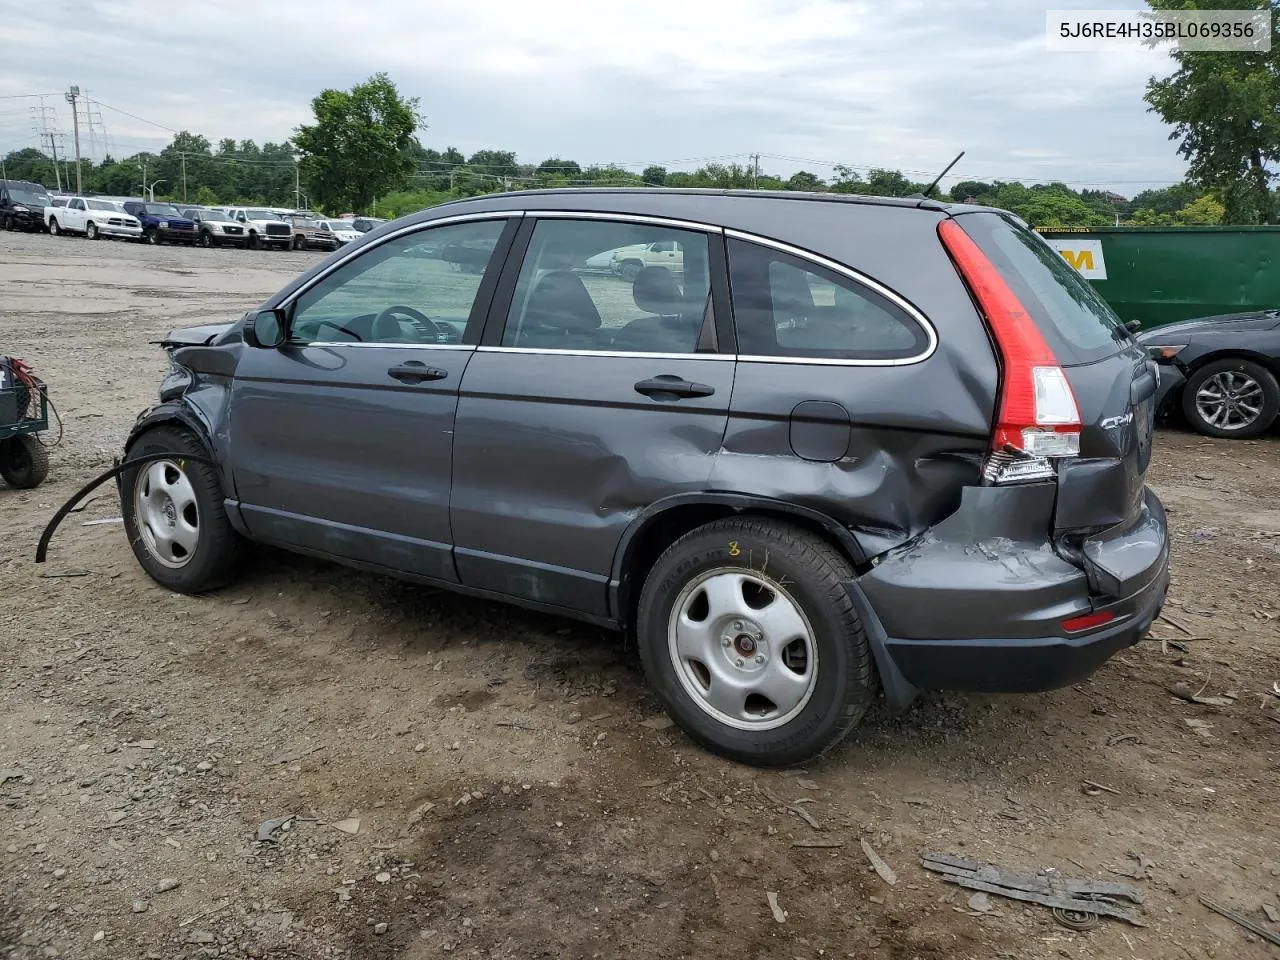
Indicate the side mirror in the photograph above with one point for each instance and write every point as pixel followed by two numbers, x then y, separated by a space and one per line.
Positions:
pixel 268 329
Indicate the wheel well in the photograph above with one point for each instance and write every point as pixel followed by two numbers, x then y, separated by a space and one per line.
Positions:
pixel 666 528
pixel 1267 363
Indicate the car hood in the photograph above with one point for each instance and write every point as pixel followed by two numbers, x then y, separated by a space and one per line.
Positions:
pixel 194 336
pixel 1222 323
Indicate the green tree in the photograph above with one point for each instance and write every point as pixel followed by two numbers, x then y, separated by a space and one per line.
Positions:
pixel 30 164
pixel 655 176
pixel 205 197
pixel 360 145
pixel 1203 211
pixel 1222 107
pixel 804 180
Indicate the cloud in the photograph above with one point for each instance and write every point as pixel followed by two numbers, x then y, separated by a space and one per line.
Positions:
pixel 904 85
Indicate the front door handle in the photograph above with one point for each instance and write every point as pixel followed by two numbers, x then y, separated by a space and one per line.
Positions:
pixel 415 371
pixel 666 387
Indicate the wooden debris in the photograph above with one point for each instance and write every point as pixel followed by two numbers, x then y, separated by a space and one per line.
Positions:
pixel 1174 623
pixel 775 908
pixel 818 844
pixel 1093 789
pixel 1256 929
pixel 882 869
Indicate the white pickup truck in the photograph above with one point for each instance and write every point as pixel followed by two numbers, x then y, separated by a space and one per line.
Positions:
pixel 94 218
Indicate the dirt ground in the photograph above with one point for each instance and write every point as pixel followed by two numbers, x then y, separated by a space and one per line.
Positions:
pixel 468 780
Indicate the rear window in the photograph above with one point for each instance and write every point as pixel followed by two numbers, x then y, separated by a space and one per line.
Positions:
pixel 1074 320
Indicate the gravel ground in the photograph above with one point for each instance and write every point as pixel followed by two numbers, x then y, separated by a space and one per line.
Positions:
pixel 440 776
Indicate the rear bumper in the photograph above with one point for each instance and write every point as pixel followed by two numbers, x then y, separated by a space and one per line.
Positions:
pixel 965 609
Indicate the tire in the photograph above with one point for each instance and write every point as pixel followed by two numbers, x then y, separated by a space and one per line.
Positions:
pixel 24 462
pixel 630 269
pixel 91 231
pixel 733 559
pixel 54 228
pixel 1240 395
pixel 202 554
pixel 206 239
pixel 253 240
pixel 151 237
pixel 7 222
pixel 299 243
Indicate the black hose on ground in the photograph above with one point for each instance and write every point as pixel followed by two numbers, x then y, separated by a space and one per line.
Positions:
pixel 42 549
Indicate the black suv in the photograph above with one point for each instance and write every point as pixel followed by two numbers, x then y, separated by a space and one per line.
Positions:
pixel 828 445
pixel 22 205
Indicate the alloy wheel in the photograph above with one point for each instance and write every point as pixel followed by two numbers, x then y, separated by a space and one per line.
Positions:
pixel 1230 400
pixel 168 517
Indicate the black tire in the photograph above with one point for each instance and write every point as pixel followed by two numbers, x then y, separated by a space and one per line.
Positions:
pixel 299 242
pixel 24 462
pixel 7 222
pixel 206 239
pixel 253 240
pixel 150 236
pixel 212 563
pixel 54 228
pixel 91 231
pixel 1242 371
pixel 809 571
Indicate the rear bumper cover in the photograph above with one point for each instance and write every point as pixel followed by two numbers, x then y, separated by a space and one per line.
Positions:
pixel 977 604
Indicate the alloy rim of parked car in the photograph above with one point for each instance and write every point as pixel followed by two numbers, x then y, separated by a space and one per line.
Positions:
pixel 1230 400
pixel 742 648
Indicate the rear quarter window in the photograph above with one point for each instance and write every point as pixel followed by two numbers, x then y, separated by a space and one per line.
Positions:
pixel 1078 325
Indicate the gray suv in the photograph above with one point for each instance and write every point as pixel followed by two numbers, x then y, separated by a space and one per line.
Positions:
pixel 852 445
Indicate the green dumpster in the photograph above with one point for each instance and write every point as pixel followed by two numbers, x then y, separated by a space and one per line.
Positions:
pixel 1159 275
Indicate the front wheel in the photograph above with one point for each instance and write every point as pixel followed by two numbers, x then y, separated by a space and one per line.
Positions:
pixel 1232 398
pixel 299 243
pixel 24 462
pixel 54 228
pixel 91 231
pixel 150 236
pixel 174 515
pixel 253 241
pixel 206 239
pixel 752 643
pixel 7 222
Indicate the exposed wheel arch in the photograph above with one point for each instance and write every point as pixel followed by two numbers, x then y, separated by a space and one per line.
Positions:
pixel 664 522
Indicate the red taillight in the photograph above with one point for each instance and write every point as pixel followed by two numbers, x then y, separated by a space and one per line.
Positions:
pixel 1087 621
pixel 1037 411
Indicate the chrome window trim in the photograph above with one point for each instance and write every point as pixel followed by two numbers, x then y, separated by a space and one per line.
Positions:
pixel 857 277
pixel 608 353
pixel 330 344
pixel 290 300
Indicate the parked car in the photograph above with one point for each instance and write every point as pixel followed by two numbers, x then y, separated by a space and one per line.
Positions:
pixel 629 261
pixel 266 228
pixel 862 443
pixel 309 234
pixel 92 217
pixel 162 222
pixel 215 229
pixel 342 231
pixel 22 204
pixel 1220 372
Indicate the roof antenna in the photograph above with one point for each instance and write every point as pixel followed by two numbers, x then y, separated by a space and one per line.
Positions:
pixel 930 188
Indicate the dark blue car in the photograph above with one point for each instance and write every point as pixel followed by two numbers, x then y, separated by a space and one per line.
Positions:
pixel 163 222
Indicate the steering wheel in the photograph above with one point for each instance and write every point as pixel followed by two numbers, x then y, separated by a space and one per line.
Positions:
pixel 419 319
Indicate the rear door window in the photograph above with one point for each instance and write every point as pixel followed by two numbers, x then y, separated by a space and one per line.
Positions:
pixel 784 306
pixel 1075 321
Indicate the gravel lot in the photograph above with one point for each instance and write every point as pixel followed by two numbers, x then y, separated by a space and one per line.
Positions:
pixel 473 781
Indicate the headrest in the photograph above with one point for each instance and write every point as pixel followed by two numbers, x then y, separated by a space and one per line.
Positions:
pixel 655 291
pixel 560 301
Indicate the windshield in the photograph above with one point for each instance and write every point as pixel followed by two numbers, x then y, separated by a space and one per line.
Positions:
pixel 338 226
pixel 214 215
pixel 261 215
pixel 19 195
pixel 162 210
pixel 100 205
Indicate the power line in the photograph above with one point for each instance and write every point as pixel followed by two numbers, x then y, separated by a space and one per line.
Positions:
pixel 134 116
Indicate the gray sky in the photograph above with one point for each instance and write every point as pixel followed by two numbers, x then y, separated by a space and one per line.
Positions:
pixel 904 84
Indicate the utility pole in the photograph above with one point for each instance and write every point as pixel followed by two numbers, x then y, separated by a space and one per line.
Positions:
pixel 755 169
pixel 143 165
pixel 184 177
pixel 72 95
pixel 297 186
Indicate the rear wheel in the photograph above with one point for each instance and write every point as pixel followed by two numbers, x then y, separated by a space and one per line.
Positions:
pixel 24 462
pixel 299 242
pixel 6 222
pixel 174 515
pixel 1232 398
pixel 206 240
pixel 750 640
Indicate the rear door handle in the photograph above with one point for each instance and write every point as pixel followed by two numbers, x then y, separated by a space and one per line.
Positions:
pixel 415 371
pixel 666 385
